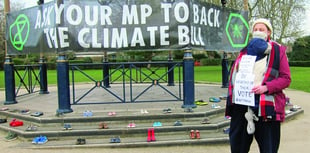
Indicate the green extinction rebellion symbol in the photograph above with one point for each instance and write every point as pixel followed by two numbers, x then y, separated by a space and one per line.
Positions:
pixel 19 32
pixel 235 30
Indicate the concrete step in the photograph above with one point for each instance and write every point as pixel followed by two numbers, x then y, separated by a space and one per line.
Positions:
pixel 87 127
pixel 138 140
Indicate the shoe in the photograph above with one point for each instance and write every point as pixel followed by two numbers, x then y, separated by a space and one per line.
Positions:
pixel 24 111
pixel 178 123
pixel 149 133
pixel 40 140
pixel 112 113
pixel 37 114
pixel 293 109
pixel 197 134
pixel 226 130
pixel 167 110
pixel 103 125
pixel 87 113
pixel 143 111
pixel 188 110
pixel 115 140
pixel 4 109
pixel 11 136
pixel 67 126
pixel 15 123
pixel 214 99
pixel 131 125
pixel 223 97
pixel 80 141
pixel 296 106
pixel 192 134
pixel 3 120
pixel 201 103
pixel 153 134
pixel 228 117
pixel 157 124
pixel 31 128
pixel 287 112
pixel 205 121
pixel 215 106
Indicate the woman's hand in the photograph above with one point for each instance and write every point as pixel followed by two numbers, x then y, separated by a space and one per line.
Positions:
pixel 260 89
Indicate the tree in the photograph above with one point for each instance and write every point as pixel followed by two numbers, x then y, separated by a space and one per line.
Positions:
pixel 14 6
pixel 285 16
pixel 301 49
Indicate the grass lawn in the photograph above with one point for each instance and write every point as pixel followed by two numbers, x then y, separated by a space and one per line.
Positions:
pixel 203 74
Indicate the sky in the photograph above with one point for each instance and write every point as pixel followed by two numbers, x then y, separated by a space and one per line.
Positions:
pixel 306 25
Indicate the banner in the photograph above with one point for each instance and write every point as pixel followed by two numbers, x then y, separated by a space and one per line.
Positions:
pixel 126 25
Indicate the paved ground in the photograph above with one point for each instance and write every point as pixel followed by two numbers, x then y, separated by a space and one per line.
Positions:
pixel 295 133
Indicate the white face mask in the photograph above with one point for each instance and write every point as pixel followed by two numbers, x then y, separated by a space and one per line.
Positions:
pixel 259 34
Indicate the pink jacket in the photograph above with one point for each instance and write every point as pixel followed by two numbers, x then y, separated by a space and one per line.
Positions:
pixel 277 85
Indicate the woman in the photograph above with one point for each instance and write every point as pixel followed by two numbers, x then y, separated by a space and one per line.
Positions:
pixel 271 75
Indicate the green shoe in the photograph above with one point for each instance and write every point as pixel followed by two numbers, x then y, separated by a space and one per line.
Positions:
pixel 11 136
pixel 201 103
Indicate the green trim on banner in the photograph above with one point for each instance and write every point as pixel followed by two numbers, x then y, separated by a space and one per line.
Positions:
pixel 237 30
pixel 20 37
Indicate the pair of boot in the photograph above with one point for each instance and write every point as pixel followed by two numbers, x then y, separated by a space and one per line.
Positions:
pixel 150 135
pixel 103 125
pixel 194 134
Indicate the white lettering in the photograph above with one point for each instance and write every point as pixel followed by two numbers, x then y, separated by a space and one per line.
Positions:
pixel 130 17
pixel 58 11
pixel 106 12
pixel 152 31
pixel 181 8
pixel 146 11
pixel 183 35
pixel 94 13
pixel 164 35
pixel 63 37
pixel 119 39
pixel 137 37
pixel 196 13
pixel 81 37
pixel 74 15
pixel 166 7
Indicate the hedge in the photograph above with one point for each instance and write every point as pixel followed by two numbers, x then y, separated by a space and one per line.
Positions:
pixel 300 63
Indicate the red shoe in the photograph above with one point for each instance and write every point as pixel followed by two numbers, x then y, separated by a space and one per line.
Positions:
pixel 197 134
pixel 149 133
pixel 15 123
pixel 192 134
pixel 153 135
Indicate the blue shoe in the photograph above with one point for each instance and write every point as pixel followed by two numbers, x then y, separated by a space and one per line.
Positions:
pixel 90 113
pixel 226 130
pixel 42 140
pixel 87 113
pixel 67 126
pixel 178 123
pixel 157 124
pixel 214 99
pixel 35 140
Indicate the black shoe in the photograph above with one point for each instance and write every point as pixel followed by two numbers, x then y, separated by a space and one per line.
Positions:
pixel 3 120
pixel 80 141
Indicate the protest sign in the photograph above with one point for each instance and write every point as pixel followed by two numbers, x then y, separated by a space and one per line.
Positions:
pixel 125 26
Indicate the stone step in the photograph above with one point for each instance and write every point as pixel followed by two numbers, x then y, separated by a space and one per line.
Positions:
pixel 117 127
pixel 86 127
pixel 138 140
